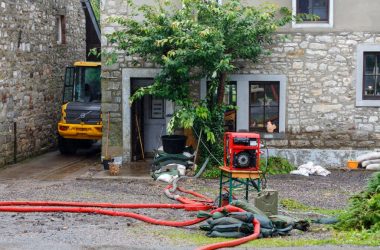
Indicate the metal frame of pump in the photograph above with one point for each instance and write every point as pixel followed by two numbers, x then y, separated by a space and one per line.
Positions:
pixel 241 164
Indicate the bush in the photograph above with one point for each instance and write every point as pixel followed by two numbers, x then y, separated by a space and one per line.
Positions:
pixel 276 165
pixel 363 212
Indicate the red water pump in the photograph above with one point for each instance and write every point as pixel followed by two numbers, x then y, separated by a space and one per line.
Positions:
pixel 242 151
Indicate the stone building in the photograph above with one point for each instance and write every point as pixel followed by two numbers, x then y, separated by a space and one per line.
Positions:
pixel 38 39
pixel 320 86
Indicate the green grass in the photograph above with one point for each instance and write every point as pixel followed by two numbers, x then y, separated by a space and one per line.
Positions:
pixel 211 173
pixel 294 205
pixel 333 238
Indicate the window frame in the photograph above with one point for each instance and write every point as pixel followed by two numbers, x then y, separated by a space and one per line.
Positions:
pixel 359 83
pixel 376 53
pixel 243 97
pixel 61 29
pixel 314 24
pixel 320 20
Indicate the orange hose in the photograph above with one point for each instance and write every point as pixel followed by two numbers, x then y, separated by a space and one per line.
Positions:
pixel 90 204
pixel 100 211
pixel 93 208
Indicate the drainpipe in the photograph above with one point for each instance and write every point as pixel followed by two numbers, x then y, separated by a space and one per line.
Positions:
pixel 14 142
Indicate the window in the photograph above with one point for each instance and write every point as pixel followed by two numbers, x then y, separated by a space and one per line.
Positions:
pixel 315 7
pixel 371 76
pixel 368 75
pixel 264 105
pixel 321 8
pixel 230 95
pixel 61 29
pixel 230 98
pixel 249 104
pixel 69 84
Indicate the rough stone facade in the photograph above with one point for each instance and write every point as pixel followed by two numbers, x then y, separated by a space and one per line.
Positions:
pixel 320 109
pixel 112 78
pixel 32 66
pixel 320 68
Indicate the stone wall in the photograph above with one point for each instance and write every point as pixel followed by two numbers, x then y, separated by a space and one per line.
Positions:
pixel 111 79
pixel 321 111
pixel 320 69
pixel 32 67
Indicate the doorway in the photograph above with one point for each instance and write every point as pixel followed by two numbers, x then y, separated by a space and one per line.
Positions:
pixel 148 121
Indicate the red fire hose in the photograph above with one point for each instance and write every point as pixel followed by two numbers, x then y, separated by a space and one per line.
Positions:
pixel 100 211
pixel 95 208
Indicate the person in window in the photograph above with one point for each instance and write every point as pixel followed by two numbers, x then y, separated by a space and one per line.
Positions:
pixel 271 127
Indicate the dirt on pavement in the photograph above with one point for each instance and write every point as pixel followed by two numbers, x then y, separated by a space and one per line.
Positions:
pixel 88 231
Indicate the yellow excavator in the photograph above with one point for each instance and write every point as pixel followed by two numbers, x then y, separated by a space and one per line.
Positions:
pixel 81 119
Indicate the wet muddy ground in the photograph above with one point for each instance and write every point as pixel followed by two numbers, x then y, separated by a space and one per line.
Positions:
pixel 89 231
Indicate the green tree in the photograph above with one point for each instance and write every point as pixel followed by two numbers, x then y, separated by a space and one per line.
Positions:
pixel 200 40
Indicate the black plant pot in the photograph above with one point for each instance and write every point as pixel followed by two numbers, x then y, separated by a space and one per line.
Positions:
pixel 106 163
pixel 173 144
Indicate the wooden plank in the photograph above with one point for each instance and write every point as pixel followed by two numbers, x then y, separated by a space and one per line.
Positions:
pixel 241 173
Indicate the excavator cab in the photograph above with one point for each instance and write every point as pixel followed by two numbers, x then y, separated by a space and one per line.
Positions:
pixel 82 83
pixel 81 121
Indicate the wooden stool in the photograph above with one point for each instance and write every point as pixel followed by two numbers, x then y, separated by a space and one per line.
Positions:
pixel 242 177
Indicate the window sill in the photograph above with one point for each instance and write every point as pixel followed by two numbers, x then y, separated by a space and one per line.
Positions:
pixel 312 25
pixel 367 103
pixel 272 136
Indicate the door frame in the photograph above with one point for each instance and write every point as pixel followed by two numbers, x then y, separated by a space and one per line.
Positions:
pixel 127 75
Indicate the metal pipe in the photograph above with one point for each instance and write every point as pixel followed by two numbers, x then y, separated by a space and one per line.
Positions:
pixel 14 142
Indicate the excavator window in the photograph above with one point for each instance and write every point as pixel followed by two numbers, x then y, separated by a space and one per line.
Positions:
pixel 82 84
pixel 69 84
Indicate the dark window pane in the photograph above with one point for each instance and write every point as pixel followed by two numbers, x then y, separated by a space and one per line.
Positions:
pixel 371 78
pixel 69 82
pixel 264 105
pixel 303 6
pixel 319 3
pixel 230 94
pixel 257 95
pixel 272 94
pixel 271 114
pixel 377 92
pixel 229 98
pixel 257 119
pixel 370 63
pixel 316 7
pixel 321 12
pixel 68 95
pixel 369 85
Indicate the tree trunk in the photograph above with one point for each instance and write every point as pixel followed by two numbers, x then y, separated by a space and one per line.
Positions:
pixel 220 95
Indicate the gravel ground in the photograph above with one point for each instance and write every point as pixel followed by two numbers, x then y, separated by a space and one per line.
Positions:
pixel 83 231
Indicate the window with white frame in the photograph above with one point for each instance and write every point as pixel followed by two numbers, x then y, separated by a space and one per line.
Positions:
pixel 324 9
pixel 368 75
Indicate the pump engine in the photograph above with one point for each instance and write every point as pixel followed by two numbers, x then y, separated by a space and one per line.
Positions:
pixel 242 151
